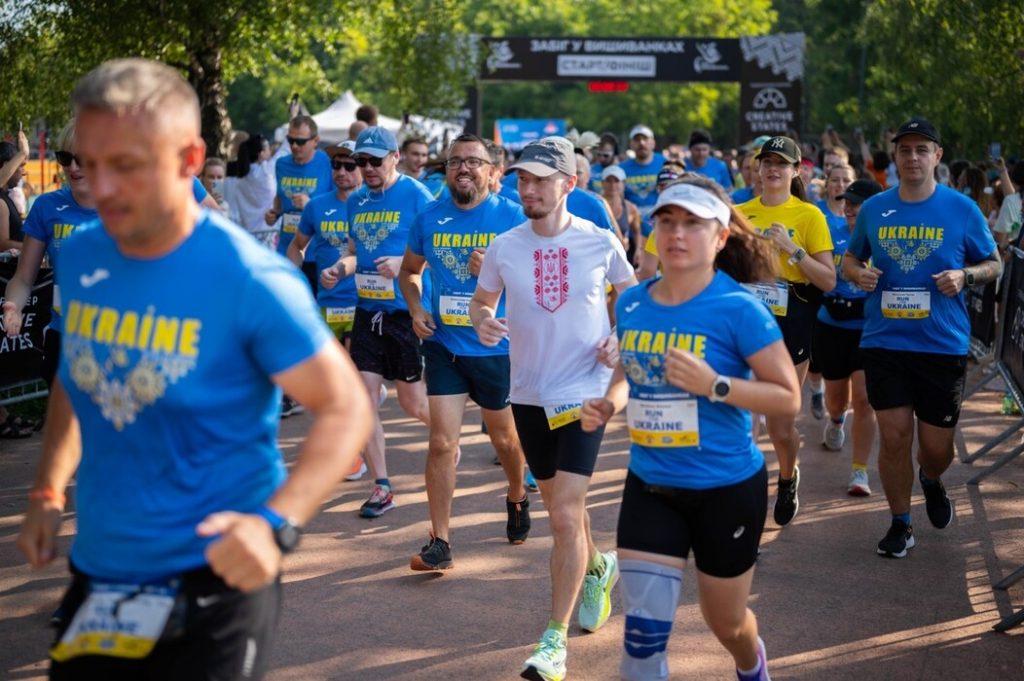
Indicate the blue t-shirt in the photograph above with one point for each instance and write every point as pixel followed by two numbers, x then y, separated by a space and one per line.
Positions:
pixel 910 242
pixel 53 218
pixel 446 236
pixel 435 182
pixel 510 187
pixel 167 363
pixel 714 168
pixel 642 186
pixel 585 205
pixel 596 172
pixel 326 218
pixel 680 439
pixel 198 190
pixel 312 179
pixel 742 195
pixel 844 289
pixel 379 224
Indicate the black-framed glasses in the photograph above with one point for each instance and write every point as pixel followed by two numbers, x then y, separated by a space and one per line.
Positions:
pixel 65 158
pixel 472 163
pixel 298 141
pixel 349 166
pixel 363 161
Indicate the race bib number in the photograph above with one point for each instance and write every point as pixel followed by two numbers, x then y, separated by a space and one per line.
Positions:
pixel 455 311
pixel 117 620
pixel 775 296
pixel 340 315
pixel 375 287
pixel 663 423
pixel 906 304
pixel 563 414
pixel 290 222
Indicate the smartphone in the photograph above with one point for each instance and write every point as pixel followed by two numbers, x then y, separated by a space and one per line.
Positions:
pixel 995 150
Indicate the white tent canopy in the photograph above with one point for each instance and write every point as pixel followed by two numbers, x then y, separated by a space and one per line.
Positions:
pixel 334 121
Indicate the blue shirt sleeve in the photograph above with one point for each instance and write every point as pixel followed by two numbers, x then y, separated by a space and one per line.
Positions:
pixel 758 329
pixel 307 223
pixel 35 223
pixel 198 190
pixel 859 245
pixel 416 236
pixel 979 242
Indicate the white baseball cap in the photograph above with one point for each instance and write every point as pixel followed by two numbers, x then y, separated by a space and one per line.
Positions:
pixel 614 171
pixel 698 201
pixel 641 130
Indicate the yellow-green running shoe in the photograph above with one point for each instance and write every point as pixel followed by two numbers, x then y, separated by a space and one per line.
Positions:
pixel 547 663
pixel 596 605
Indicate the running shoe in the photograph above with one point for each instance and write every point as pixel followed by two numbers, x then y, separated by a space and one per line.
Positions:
pixel 596 605
pixel 859 486
pixel 436 555
pixel 936 502
pixel 787 503
pixel 834 436
pixel 517 528
pixel 382 395
pixel 530 482
pixel 357 473
pixel 818 405
pixel 290 407
pixel 547 663
pixel 381 500
pixel 897 540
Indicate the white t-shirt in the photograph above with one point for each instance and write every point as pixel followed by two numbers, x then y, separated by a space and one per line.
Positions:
pixel 1009 220
pixel 556 309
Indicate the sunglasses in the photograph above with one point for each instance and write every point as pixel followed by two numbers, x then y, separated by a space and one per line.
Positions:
pixel 65 158
pixel 363 161
pixel 349 166
pixel 298 141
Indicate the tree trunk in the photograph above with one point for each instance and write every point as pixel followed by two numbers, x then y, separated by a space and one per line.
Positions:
pixel 206 75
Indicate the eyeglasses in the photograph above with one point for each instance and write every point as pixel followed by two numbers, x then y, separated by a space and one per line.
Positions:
pixel 65 158
pixel 363 161
pixel 349 166
pixel 298 141
pixel 472 163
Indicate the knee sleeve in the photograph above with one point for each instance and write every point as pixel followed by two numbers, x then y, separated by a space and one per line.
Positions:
pixel 650 594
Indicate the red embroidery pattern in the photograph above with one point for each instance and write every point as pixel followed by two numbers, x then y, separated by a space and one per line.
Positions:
pixel 551 277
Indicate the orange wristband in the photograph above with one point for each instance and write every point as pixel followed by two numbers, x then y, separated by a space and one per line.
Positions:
pixel 48 494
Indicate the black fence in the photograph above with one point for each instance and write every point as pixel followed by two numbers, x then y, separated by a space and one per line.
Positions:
pixel 21 356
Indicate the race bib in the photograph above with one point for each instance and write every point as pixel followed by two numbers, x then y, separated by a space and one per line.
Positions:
pixel 340 315
pixel 290 222
pixel 117 620
pixel 663 423
pixel 906 304
pixel 775 296
pixel 455 311
pixel 375 286
pixel 563 414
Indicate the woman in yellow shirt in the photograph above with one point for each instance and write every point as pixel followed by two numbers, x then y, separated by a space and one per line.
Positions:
pixel 801 237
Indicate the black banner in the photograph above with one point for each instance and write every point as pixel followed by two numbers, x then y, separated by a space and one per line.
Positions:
pixel 981 308
pixel 21 356
pixel 1011 350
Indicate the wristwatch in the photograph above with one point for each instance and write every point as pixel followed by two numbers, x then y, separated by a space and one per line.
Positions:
pixel 286 532
pixel 968 278
pixel 720 388
pixel 797 256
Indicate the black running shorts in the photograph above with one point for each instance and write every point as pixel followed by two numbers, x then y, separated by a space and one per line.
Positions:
pixel 567 448
pixel 383 343
pixel 930 383
pixel 836 351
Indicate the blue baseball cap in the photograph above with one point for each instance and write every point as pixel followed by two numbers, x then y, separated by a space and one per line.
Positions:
pixel 376 141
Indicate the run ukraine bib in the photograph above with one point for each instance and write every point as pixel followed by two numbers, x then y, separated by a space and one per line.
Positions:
pixel 663 423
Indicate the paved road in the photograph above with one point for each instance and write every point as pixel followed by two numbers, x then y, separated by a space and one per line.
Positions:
pixel 828 606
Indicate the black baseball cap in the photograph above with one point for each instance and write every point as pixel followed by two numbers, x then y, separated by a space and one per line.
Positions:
pixel 918 126
pixel 860 191
pixel 783 146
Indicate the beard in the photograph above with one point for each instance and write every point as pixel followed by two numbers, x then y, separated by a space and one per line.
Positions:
pixel 536 212
pixel 464 198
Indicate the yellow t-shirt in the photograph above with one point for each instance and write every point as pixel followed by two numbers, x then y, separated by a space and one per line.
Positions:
pixel 806 225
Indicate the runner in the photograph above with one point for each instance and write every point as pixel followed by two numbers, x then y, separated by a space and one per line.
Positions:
pixel 642 174
pixel 561 352
pixel 384 346
pixel 926 243
pixel 703 163
pixel 836 344
pixel 164 408
pixel 451 237
pixel 800 235
pixel 691 342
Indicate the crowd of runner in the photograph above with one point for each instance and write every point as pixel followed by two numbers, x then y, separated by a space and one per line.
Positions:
pixel 696 289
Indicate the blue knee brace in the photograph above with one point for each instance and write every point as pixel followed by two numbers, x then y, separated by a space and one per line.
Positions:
pixel 650 594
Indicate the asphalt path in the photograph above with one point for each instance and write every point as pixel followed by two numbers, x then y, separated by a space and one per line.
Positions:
pixel 828 607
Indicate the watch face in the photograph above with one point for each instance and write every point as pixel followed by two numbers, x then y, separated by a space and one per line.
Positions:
pixel 721 388
pixel 287 537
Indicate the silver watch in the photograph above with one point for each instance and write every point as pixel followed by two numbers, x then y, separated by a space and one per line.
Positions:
pixel 720 389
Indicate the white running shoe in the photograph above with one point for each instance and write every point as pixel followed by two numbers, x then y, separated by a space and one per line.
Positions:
pixel 859 484
pixel 834 436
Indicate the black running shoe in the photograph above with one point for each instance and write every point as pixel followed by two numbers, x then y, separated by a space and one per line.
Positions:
pixel 786 502
pixel 436 555
pixel 518 526
pixel 936 502
pixel 897 540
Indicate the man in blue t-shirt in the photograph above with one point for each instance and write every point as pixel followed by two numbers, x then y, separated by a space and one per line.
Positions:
pixel 925 243
pixel 165 406
pixel 451 236
pixel 384 346
pixel 642 173
pixel 703 163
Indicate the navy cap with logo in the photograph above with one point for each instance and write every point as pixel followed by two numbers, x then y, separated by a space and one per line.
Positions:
pixel 860 191
pixel 918 126
pixel 376 141
pixel 547 156
pixel 782 146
